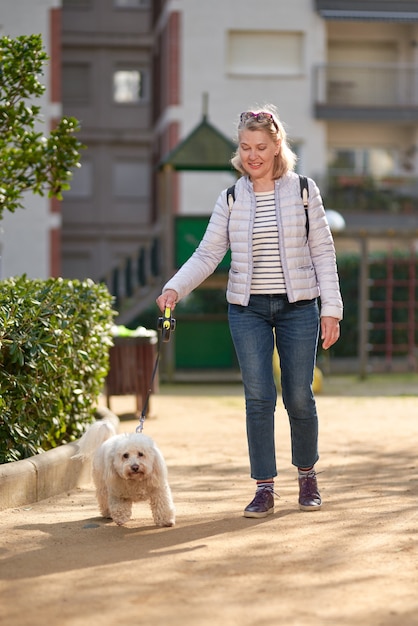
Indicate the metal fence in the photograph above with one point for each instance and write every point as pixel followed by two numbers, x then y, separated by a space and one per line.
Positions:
pixel 391 343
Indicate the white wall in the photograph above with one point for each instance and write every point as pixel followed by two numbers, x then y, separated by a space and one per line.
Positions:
pixel 24 235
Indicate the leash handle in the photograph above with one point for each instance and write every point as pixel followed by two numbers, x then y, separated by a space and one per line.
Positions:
pixel 166 324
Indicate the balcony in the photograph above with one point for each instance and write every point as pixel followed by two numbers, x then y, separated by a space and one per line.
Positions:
pixel 373 10
pixel 377 92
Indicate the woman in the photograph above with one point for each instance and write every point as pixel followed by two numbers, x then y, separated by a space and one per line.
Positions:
pixel 277 273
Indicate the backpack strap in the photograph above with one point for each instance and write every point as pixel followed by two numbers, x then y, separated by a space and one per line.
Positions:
pixel 304 192
pixel 230 196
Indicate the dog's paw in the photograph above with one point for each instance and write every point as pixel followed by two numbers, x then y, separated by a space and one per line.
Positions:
pixel 120 522
pixel 120 518
pixel 164 523
pixel 121 512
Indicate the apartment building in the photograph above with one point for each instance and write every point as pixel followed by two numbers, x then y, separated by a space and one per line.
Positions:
pixel 141 76
pixel 366 95
pixel 342 73
pixel 109 222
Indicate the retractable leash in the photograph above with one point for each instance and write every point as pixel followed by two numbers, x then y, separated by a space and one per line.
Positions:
pixel 166 325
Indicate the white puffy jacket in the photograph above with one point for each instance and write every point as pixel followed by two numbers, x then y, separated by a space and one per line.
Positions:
pixel 309 267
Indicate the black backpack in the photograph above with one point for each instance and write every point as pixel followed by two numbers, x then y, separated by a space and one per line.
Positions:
pixel 304 192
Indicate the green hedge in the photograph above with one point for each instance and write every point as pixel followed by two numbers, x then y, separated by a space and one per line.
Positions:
pixel 212 301
pixel 348 271
pixel 55 337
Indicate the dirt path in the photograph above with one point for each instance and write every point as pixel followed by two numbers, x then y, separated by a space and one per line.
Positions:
pixel 353 563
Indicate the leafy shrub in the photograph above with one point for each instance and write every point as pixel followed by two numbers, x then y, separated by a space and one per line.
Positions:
pixel 349 273
pixel 55 337
pixel 29 159
pixel 203 303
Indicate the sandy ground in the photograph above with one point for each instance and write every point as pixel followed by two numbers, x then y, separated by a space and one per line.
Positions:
pixel 355 562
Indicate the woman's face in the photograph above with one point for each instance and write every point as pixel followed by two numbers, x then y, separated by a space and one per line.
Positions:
pixel 257 150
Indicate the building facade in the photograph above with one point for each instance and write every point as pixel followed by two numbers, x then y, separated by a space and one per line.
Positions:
pixel 108 215
pixel 140 74
pixel 343 74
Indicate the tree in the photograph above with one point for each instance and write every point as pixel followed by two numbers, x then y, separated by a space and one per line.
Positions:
pixel 30 160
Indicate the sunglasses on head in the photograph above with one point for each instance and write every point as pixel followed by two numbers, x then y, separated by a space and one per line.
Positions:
pixel 262 116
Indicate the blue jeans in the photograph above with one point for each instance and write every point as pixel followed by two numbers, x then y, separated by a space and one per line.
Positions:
pixel 296 329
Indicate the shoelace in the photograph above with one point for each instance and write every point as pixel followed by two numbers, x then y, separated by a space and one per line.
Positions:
pixel 263 489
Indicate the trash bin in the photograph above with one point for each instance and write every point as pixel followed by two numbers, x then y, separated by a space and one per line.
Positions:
pixel 131 363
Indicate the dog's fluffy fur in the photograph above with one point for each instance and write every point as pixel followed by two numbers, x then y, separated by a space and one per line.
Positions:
pixel 127 468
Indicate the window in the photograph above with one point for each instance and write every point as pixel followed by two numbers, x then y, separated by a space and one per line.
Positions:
pixel 128 86
pixel 76 4
pixel 131 179
pixel 265 53
pixel 376 162
pixel 132 4
pixel 76 83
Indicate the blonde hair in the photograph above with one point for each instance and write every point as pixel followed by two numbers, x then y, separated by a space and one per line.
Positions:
pixel 285 160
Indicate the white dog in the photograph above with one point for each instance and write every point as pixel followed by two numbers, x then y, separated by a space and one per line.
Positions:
pixel 127 468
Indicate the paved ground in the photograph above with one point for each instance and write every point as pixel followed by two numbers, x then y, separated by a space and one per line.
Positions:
pixel 353 563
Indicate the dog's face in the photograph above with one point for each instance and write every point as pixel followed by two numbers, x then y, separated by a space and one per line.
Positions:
pixel 133 456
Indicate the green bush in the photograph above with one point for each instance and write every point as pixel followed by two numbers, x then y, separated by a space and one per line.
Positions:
pixel 212 301
pixel 349 274
pixel 55 337
pixel 30 160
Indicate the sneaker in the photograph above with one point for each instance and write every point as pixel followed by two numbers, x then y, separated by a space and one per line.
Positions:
pixel 262 504
pixel 309 497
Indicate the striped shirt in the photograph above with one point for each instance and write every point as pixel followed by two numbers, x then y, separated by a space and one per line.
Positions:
pixel 267 266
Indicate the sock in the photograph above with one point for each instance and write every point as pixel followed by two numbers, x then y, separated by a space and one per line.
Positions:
pixel 306 472
pixel 268 485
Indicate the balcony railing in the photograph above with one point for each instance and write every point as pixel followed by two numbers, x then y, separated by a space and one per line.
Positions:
pixel 357 91
pixel 390 10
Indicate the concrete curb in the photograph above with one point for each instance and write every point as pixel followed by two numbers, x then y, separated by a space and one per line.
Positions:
pixel 45 475
pixel 42 476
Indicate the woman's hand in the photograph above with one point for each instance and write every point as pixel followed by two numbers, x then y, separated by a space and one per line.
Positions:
pixel 167 299
pixel 330 331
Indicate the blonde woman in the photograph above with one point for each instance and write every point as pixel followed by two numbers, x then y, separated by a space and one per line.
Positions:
pixel 279 269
